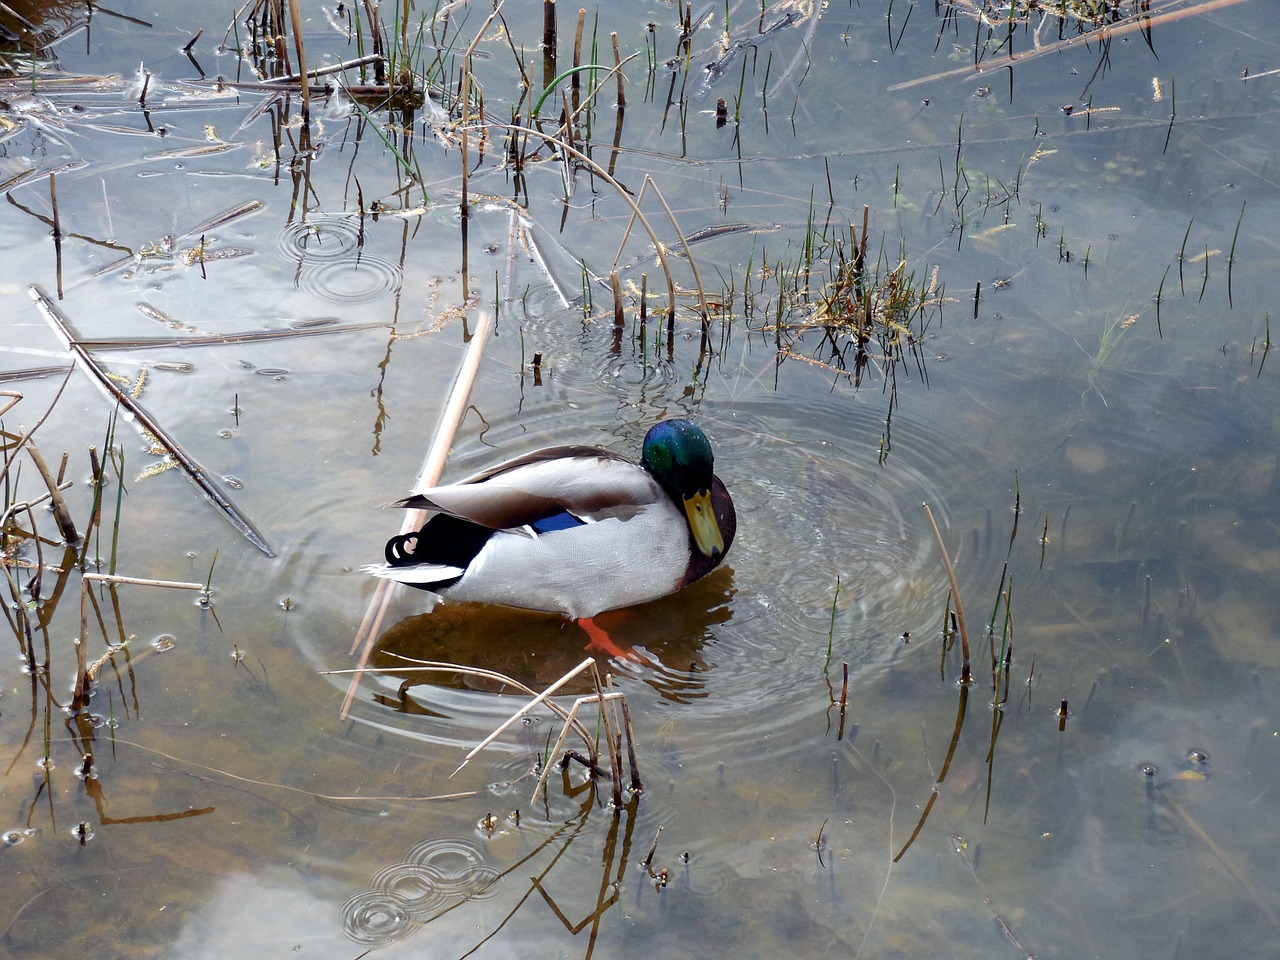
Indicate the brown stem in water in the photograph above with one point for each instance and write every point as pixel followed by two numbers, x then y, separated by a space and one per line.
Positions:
pixel 965 677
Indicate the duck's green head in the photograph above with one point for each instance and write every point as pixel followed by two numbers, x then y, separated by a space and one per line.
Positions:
pixel 678 455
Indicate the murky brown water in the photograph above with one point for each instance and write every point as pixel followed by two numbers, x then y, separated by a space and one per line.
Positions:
pixel 1111 382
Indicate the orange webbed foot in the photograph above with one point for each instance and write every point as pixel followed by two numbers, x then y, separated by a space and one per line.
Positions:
pixel 601 641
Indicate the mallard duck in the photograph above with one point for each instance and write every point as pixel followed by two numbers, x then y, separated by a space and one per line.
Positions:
pixel 572 530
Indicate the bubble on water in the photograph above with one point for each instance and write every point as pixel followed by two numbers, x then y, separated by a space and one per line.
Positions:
pixel 164 642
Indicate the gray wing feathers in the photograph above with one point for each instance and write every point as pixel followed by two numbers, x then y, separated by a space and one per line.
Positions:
pixel 592 487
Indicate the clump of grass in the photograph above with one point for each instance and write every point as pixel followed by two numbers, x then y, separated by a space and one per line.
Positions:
pixel 871 312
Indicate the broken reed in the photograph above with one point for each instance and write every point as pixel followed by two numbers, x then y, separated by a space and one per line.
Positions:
pixel 965 676
pixel 617 732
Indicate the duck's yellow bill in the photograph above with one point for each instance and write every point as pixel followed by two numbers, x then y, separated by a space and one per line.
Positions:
pixel 703 523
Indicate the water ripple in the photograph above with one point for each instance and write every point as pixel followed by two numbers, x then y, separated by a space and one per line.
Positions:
pixel 409 885
pixel 737 663
pixel 321 237
pixel 350 281
pixel 374 918
pixel 332 262
pixel 434 875
pixel 457 868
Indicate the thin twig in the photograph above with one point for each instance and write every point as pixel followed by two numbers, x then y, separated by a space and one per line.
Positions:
pixel 589 662
pixel 143 582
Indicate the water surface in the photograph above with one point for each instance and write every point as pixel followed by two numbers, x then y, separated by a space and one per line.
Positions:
pixel 1094 436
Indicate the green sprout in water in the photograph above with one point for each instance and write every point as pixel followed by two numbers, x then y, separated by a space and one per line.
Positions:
pixel 1107 357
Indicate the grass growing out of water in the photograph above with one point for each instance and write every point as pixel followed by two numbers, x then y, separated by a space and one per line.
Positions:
pixel 888 305
pixel 1107 356
pixel 37 566
pixel 870 312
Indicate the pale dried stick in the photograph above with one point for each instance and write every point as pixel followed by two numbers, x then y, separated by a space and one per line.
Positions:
pixel 432 467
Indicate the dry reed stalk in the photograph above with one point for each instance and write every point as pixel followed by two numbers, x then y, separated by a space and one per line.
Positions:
pixel 559 744
pixel 189 466
pixel 965 676
pixel 432 467
pixel 220 339
pixel 616 284
pixel 575 84
pixel 636 785
pixel 549 25
pixel 57 227
pixel 648 861
pixel 548 42
pixel 1139 22
pixel 142 581
pixel 295 20
pixel 615 761
pixel 61 512
pixel 617 66
pixel 574 723
pixel 684 243
pixel 621 190
pixel 515 717
pixel 319 71
pixel 438 666
pixel 570 717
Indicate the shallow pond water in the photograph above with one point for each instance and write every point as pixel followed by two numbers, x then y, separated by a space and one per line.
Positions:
pixel 1083 398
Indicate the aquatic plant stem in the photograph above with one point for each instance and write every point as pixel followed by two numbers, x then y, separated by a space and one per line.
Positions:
pixel 965 677
pixel 831 630
pixel 144 421
pixel 295 20
pixel 600 172
pixel 61 513
pixel 432 467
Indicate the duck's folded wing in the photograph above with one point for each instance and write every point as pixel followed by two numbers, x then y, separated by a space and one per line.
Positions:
pixel 588 484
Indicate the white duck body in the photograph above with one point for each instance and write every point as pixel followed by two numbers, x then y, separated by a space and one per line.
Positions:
pixel 575 531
